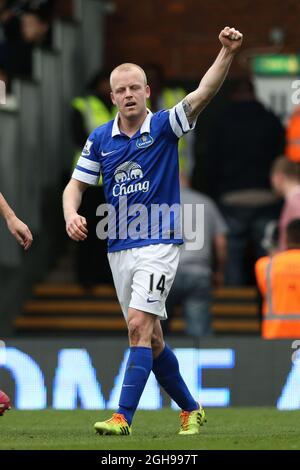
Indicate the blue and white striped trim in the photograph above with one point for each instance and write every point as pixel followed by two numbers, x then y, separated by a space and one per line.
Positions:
pixel 86 176
pixel 179 122
pixel 84 170
pixel 88 164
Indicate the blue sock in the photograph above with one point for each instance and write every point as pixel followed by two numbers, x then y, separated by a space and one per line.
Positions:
pixel 166 370
pixel 138 368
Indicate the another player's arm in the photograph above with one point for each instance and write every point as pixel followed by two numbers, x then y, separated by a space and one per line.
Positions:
pixel 76 225
pixel 17 228
pixel 196 101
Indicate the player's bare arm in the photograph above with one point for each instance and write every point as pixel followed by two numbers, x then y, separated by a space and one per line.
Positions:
pixel 76 225
pixel 16 227
pixel 231 40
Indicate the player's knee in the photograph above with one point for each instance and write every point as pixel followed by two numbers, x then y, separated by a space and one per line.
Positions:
pixel 157 344
pixel 137 331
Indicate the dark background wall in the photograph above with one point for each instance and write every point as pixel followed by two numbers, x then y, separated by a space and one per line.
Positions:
pixel 182 35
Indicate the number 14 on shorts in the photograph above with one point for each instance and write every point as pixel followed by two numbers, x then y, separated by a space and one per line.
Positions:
pixel 160 286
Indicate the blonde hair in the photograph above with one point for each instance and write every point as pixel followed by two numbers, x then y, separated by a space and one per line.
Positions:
pixel 127 67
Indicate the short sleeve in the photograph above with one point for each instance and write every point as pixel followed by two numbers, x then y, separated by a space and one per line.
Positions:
pixel 179 122
pixel 88 169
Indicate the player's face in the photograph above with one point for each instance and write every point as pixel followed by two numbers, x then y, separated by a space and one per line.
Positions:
pixel 129 93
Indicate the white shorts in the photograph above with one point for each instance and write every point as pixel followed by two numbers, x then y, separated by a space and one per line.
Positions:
pixel 143 277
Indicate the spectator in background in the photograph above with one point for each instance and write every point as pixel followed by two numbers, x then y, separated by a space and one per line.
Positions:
pixel 11 12
pixel 271 238
pixel 199 270
pixel 35 31
pixel 285 177
pixel 165 97
pixel 292 149
pixel 91 110
pixel 10 16
pixel 278 278
pixel 9 20
pixel 35 27
pixel 88 112
pixel 246 139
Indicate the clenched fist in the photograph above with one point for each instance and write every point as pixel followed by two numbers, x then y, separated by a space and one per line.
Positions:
pixel 231 38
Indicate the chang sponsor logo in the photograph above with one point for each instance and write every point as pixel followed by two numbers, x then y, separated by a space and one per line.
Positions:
pixel 128 172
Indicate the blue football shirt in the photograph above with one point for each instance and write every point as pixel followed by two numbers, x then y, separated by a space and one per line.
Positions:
pixel 140 178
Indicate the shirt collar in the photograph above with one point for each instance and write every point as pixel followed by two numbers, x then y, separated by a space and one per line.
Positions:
pixel 145 127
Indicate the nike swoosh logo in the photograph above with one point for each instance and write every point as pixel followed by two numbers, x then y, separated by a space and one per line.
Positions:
pixel 107 153
pixel 151 301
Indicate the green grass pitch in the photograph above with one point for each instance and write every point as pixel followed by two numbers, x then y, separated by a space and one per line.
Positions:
pixel 233 428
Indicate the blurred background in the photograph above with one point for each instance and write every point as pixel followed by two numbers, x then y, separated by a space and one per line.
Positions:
pixel 57 303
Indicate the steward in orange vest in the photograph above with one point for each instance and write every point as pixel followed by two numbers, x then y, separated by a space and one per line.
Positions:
pixel 278 278
pixel 292 149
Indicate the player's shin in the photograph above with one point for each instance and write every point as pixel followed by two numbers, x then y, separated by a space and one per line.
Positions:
pixel 166 370
pixel 138 368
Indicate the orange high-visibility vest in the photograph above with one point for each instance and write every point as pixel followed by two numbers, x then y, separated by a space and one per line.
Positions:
pixel 292 149
pixel 278 279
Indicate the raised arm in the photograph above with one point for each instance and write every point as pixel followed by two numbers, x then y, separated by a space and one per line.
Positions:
pixel 16 227
pixel 196 101
pixel 76 225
